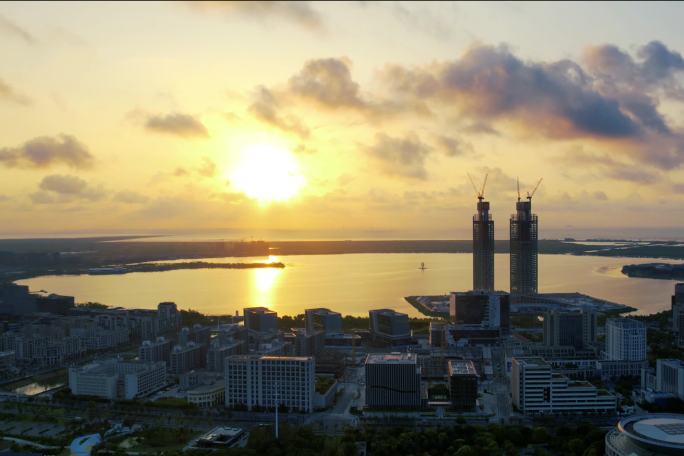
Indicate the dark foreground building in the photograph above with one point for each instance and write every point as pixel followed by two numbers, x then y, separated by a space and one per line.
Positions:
pixel 524 249
pixel 483 248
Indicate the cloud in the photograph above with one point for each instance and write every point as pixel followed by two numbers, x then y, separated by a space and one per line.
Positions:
pixel 177 124
pixel 208 168
pixel 402 157
pixel 7 93
pixel 46 151
pixel 608 166
pixel 130 197
pixel 327 82
pixel 451 146
pixel 299 12
pixel 9 28
pixel 266 108
pixel 61 188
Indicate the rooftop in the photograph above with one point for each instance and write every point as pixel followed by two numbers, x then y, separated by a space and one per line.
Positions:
pixel 532 361
pixel 391 358
pixel 461 367
pixel 658 429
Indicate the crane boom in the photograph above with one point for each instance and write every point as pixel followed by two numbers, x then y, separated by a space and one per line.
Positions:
pixel 530 195
pixel 472 182
pixel 517 181
pixel 484 184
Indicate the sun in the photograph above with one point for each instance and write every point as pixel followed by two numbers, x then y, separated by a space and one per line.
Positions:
pixel 267 173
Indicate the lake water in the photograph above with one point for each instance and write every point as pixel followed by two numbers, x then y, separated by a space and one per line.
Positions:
pixel 351 284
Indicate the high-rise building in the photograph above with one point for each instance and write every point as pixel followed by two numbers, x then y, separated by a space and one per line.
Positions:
pixel 463 380
pixel 625 339
pixel 267 381
pixel 389 328
pixel 323 320
pixel 184 358
pixel 524 249
pixel 678 315
pixel 538 390
pixel 483 247
pixel 393 381
pixel 577 329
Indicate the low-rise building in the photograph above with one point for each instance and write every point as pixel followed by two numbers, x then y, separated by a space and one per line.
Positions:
pixel 653 434
pixel 389 328
pixel 184 358
pixel 207 395
pixel 536 389
pixel 154 351
pixel 116 379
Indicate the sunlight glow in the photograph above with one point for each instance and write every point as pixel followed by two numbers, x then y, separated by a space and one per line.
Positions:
pixel 267 173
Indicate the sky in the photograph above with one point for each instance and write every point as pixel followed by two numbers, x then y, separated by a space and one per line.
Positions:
pixel 340 120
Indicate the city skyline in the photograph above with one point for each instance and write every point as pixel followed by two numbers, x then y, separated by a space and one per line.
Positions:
pixel 300 120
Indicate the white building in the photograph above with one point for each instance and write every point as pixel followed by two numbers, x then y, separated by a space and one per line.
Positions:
pixel 538 390
pixel 207 395
pixel 670 377
pixel 625 339
pixel 115 379
pixel 264 381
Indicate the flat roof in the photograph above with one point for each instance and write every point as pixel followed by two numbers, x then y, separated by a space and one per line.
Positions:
pixel 461 367
pixel 532 361
pixel 391 358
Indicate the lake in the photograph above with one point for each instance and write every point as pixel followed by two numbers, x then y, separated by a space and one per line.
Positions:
pixel 352 283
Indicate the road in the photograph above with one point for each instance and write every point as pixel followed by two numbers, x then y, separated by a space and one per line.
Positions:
pixel 335 420
pixel 501 386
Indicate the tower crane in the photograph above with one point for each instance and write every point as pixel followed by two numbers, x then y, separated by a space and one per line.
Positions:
pixel 479 193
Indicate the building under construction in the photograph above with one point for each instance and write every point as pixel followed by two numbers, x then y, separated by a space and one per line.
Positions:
pixel 524 248
pixel 483 245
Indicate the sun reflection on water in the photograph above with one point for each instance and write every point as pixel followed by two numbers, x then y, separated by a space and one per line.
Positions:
pixel 265 279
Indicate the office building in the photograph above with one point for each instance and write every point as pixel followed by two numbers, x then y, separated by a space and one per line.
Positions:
pixel 393 381
pixel 184 358
pixel 260 320
pixel 54 303
pixel 155 351
pixel 653 434
pixel 116 379
pixel 389 328
pixel 463 380
pixel 536 389
pixel 524 249
pixel 577 329
pixel 480 308
pixel 264 382
pixel 210 395
pixel 669 377
pixel 625 339
pixel 16 299
pixel 324 320
pixel 678 315
pixel 483 247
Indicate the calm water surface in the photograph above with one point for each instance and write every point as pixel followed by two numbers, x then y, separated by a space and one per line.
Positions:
pixel 351 284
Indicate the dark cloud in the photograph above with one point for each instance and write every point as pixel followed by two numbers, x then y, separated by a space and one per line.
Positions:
pixel 300 12
pixel 490 82
pixel 60 188
pixel 659 62
pixel 403 157
pixel 480 128
pixel 177 124
pixel 9 28
pixel 7 93
pixel 46 151
pixel 266 108
pixel 130 197
pixel 328 82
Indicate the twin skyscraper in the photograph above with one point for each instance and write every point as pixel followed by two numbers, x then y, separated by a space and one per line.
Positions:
pixel 523 246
